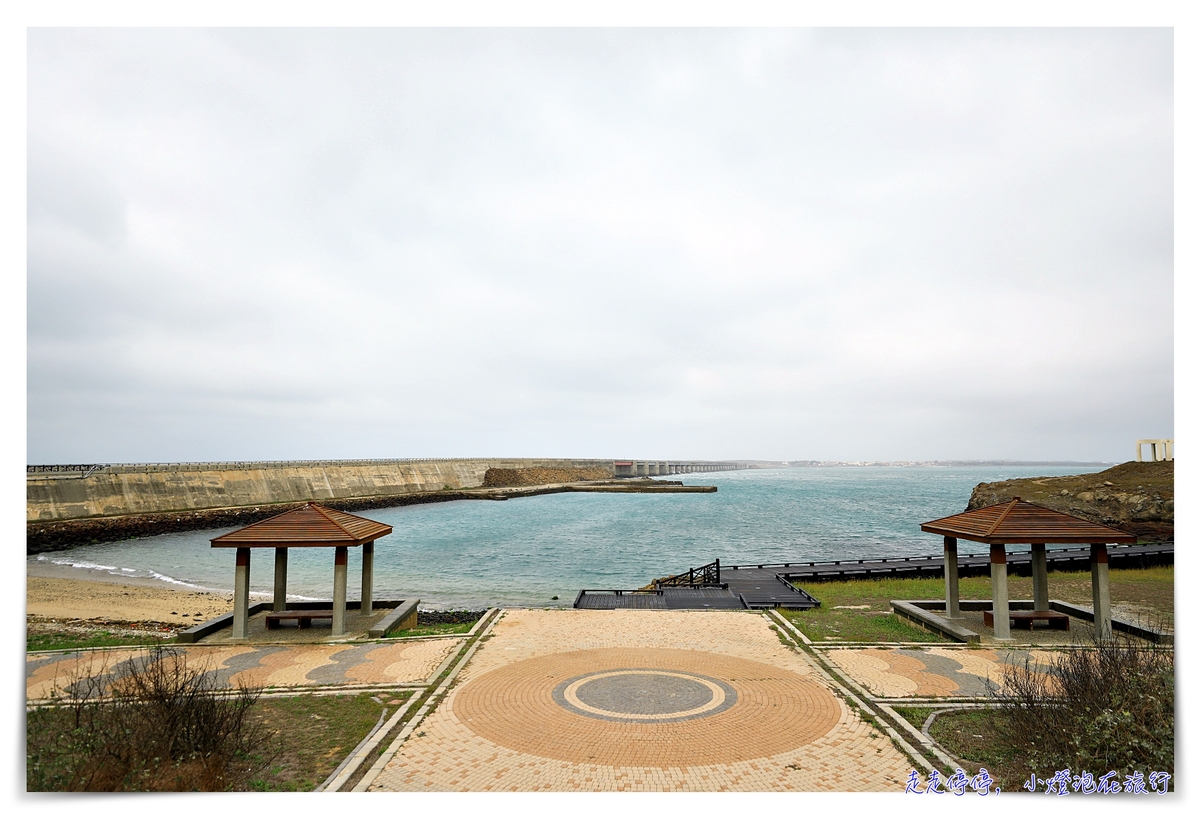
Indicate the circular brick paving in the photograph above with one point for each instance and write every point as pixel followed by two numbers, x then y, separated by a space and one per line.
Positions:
pixel 646 707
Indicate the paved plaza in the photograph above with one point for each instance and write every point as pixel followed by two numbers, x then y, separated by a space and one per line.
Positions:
pixel 585 700
pixel 642 700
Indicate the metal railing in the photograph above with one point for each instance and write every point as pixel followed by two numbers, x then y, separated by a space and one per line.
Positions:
pixel 83 469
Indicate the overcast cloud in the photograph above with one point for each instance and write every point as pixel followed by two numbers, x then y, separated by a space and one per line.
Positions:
pixel 830 244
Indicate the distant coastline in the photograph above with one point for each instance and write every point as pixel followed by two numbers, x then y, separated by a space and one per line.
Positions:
pixel 948 463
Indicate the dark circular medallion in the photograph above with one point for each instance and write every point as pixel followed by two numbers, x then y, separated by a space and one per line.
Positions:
pixel 644 695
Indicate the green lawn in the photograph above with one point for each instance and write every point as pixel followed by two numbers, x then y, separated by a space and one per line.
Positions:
pixel 436 630
pixel 312 734
pixel 99 639
pixel 969 735
pixel 914 715
pixel 860 611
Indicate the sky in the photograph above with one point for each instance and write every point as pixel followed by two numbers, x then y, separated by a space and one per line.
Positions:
pixel 676 243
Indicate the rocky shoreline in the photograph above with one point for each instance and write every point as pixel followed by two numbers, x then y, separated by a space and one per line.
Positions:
pixel 59 535
pixel 1138 498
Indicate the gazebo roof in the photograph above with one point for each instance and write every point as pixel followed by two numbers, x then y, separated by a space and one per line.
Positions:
pixel 1019 521
pixel 312 525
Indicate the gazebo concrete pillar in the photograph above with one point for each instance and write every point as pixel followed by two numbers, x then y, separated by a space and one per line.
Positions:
pixel 1041 582
pixel 241 594
pixel 950 569
pixel 339 590
pixel 280 603
pixel 999 561
pixel 368 570
pixel 1101 602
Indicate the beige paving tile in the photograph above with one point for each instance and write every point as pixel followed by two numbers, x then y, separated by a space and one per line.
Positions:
pixel 268 666
pixel 871 669
pixel 503 729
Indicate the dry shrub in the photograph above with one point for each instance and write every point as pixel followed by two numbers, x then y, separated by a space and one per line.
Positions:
pixel 161 725
pixel 1109 705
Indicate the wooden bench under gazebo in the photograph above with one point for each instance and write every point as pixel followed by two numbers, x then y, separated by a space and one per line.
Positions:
pixel 1019 521
pixel 313 526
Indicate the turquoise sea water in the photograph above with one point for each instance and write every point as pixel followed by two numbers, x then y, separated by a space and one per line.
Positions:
pixel 523 552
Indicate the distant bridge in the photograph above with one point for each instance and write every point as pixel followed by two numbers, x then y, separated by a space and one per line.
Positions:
pixel 659 468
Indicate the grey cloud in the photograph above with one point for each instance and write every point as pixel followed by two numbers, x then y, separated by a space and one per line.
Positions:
pixel 694 242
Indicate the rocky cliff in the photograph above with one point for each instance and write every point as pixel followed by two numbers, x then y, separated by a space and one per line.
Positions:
pixel 1135 497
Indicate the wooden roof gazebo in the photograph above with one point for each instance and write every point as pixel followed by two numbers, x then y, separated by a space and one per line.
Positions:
pixel 312 526
pixel 1019 521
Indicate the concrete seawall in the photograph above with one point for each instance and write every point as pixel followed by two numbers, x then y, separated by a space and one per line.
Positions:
pixel 69 505
pixel 152 488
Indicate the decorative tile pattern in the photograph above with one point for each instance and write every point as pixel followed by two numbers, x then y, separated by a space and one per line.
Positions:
pixel 935 672
pixel 502 728
pixel 266 666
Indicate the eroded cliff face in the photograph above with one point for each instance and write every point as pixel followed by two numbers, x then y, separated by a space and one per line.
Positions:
pixel 1135 497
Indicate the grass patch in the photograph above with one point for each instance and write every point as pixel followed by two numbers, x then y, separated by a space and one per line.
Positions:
pixel 859 626
pixel 312 734
pixel 971 736
pixel 860 611
pixel 165 726
pixel 1109 706
pixel 162 725
pixel 443 629
pixel 914 715
pixel 99 639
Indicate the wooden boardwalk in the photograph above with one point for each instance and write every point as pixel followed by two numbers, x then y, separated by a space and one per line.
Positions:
pixel 773 585
pixel 1057 559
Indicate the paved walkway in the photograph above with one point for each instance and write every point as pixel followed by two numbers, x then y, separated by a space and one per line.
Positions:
pixel 900 673
pixel 276 666
pixel 642 700
pixel 581 700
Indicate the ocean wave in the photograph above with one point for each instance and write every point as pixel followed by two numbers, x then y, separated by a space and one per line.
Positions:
pixel 91 566
pixel 173 581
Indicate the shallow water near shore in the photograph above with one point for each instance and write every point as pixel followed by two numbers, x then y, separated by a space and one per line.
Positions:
pixel 524 552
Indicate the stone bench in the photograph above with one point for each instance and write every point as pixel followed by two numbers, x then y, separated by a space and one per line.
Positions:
pixel 303 618
pixel 1056 620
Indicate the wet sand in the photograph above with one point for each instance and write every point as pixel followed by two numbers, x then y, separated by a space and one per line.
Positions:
pixel 56 594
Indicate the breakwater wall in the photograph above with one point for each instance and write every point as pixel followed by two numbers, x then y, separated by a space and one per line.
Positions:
pixel 70 505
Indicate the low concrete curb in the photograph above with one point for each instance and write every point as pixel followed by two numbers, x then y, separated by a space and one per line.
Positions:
pixel 917 612
pixel 198 632
pixel 921 611
pixel 491 617
pixel 404 616
pixel 1149 634
pixel 846 688
pixel 349 766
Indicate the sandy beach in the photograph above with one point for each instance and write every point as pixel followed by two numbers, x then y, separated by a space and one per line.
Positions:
pixel 63 597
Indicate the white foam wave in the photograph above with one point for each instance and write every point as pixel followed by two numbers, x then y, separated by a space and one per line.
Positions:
pixel 172 580
pixel 91 566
